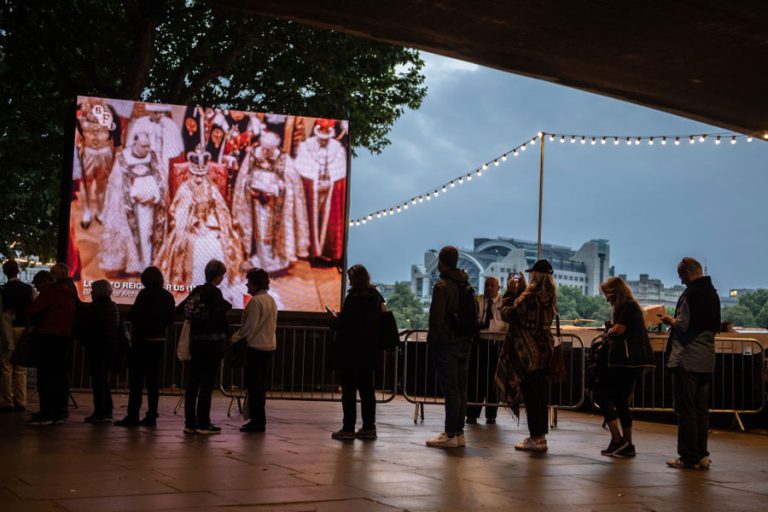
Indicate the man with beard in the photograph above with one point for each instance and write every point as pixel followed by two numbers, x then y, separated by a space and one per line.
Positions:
pixel 164 135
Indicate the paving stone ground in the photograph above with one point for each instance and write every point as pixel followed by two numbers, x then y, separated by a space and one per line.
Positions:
pixel 296 466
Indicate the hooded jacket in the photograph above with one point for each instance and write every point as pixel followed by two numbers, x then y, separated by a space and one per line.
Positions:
pixel 445 303
pixel 53 311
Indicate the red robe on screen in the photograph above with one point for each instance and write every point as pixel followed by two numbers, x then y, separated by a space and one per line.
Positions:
pixel 321 161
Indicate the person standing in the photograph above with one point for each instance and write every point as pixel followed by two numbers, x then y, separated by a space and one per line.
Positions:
pixel 52 314
pixel 356 353
pixel 625 354
pixel 150 316
pixel 526 353
pixel 206 310
pixel 449 347
pixel 16 297
pixel 259 326
pixel 691 357
pixel 99 330
pixel 485 355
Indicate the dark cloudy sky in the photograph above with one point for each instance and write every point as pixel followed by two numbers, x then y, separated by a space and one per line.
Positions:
pixel 654 203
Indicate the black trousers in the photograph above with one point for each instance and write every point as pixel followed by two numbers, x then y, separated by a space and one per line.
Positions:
pixel 352 382
pixel 99 365
pixel 256 380
pixel 536 397
pixel 614 391
pixel 144 370
pixel 692 393
pixel 52 379
pixel 481 378
pixel 205 358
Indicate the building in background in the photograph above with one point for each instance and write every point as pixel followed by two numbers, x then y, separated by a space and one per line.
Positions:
pixel 584 268
pixel 649 291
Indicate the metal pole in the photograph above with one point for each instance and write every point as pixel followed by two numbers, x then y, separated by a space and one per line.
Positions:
pixel 541 190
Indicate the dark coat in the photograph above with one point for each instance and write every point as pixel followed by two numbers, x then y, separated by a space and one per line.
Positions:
pixel 633 348
pixel 206 309
pixel 98 326
pixel 357 332
pixel 152 313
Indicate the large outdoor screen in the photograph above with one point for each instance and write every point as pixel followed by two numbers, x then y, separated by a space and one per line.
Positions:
pixel 175 186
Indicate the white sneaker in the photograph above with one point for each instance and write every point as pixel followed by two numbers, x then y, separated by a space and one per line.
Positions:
pixel 442 440
pixel 529 445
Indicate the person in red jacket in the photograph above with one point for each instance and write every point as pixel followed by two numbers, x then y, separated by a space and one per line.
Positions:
pixel 52 315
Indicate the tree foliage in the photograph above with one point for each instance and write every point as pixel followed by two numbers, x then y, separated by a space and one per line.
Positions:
pixel 751 311
pixel 173 51
pixel 572 304
pixel 407 308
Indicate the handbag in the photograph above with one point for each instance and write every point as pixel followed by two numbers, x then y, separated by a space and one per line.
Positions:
pixel 26 353
pixel 556 370
pixel 182 349
pixel 389 335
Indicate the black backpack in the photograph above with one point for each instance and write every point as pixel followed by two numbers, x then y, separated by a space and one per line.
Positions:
pixel 465 318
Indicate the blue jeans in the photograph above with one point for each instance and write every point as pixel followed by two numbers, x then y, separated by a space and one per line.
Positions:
pixel 450 362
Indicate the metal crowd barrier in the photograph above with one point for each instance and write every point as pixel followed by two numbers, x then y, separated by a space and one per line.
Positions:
pixel 298 370
pixel 420 385
pixel 738 385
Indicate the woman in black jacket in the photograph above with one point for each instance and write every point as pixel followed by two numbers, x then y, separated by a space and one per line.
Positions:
pixel 623 357
pixel 150 316
pixel 356 353
pixel 98 331
pixel 206 310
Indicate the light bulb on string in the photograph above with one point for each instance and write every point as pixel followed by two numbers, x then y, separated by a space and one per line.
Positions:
pixel 428 196
pixel 583 139
pixel 479 172
pixel 435 193
pixel 496 163
pixel 514 152
pixel 637 141
pixel 504 158
pixel 702 138
pixel 629 141
pixel 691 140
pixel 445 189
pixel 461 180
pixel 562 139
pixel 663 141
pixel 392 211
pixel 413 201
pixel 717 140
pixel 551 137
pixel 733 140
pixel 615 141
pixel 602 141
pixel 469 177
pixel 405 206
pixel 421 199
pixel 573 139
pixel 593 141
pixel 650 141
pixel 485 166
pixel 532 142
pixel 677 141
pixel 398 208
pixel 378 215
pixel 453 185
pixel 749 138
pixel 370 217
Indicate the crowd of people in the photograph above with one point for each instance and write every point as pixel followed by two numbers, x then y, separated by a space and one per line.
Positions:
pixel 525 362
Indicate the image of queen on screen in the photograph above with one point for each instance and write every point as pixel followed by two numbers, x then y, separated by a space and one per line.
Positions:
pixel 175 186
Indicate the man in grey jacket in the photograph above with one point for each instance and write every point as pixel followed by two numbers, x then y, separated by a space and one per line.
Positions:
pixel 448 348
pixel 691 357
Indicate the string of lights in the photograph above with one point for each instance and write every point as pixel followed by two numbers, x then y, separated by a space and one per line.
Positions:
pixel 581 139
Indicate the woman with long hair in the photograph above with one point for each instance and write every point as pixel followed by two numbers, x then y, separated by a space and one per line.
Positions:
pixel 526 353
pixel 625 354
pixel 356 353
